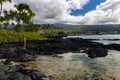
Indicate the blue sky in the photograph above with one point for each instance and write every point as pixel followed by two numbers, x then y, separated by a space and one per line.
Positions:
pixel 88 7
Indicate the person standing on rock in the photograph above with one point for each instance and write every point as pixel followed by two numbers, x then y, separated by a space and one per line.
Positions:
pixel 24 42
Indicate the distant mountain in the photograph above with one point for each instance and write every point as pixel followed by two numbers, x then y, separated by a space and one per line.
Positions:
pixel 92 27
pixel 109 27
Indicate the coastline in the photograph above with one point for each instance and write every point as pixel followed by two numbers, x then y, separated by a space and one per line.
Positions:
pixel 13 51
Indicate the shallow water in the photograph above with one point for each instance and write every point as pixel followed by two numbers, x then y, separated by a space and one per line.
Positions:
pixel 77 66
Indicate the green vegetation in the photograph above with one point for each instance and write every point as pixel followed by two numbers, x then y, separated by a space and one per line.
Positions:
pixel 7 35
pixel 54 32
pixel 22 15
pixel 13 36
pixel 33 36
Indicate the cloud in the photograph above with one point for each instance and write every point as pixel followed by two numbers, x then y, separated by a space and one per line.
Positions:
pixel 105 13
pixel 58 11
pixel 8 6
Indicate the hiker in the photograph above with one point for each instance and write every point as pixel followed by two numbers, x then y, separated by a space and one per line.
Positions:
pixel 24 42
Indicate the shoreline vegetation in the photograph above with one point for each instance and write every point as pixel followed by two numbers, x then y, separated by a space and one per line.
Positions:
pixel 12 35
pixel 7 36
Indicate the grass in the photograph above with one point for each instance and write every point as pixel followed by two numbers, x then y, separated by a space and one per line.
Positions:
pixel 33 36
pixel 13 36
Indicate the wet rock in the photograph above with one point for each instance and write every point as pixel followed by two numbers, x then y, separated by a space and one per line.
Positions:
pixel 20 72
pixel 114 46
pixel 52 77
pixel 57 56
pixel 96 52
pixel 25 57
pixel 7 62
pixel 19 76
pixel 16 54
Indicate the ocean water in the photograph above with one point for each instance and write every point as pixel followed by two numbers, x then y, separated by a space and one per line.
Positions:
pixel 105 39
pixel 101 37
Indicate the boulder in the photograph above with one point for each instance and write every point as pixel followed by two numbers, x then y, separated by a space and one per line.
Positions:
pixel 114 46
pixel 16 54
pixel 20 72
pixel 96 52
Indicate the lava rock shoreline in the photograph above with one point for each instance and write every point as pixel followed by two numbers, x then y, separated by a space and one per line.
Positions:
pixel 14 51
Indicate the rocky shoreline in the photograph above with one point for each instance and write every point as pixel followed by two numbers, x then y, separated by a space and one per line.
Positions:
pixel 14 52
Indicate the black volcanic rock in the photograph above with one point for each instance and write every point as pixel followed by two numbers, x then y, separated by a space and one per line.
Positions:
pixel 20 72
pixel 16 54
pixel 14 51
pixel 114 46
pixel 96 52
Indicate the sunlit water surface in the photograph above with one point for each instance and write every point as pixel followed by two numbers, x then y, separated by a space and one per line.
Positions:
pixel 105 36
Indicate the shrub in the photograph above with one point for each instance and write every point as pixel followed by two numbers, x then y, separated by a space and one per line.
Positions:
pixel 32 28
pixel 19 28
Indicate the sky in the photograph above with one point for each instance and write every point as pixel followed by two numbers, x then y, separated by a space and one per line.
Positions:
pixel 86 8
pixel 75 12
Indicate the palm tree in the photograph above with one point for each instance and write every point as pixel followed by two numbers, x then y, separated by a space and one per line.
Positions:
pixel 1 4
pixel 24 12
pixel 1 18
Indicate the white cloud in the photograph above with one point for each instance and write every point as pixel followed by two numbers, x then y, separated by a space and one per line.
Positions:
pixel 58 11
pixel 105 13
pixel 8 5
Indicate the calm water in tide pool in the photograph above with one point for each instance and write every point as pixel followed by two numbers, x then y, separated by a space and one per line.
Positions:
pixel 77 66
